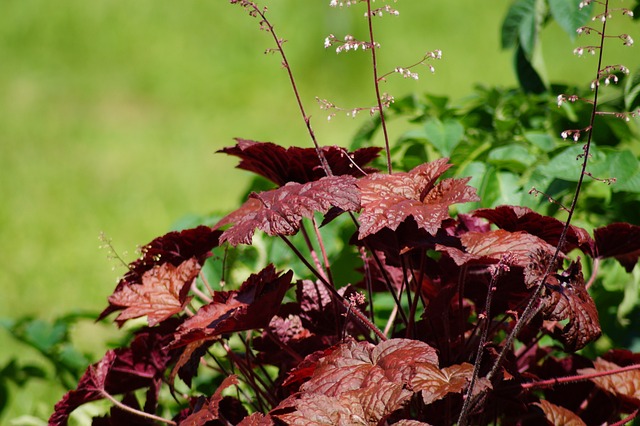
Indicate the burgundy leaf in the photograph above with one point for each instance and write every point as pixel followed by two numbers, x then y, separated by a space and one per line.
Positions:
pixel 387 200
pixel 625 384
pixel 279 212
pixel 250 307
pixel 300 165
pixel 210 411
pixel 123 370
pixel 173 248
pixel 516 218
pixel 557 415
pixel 566 297
pixel 354 366
pixel 620 241
pixel 163 293
pixel 495 245
pixel 257 419
pixel 436 383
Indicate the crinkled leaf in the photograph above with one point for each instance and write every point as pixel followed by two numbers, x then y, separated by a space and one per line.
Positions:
pixel 278 212
pixel 516 218
pixel 620 241
pixel 387 200
pixel 281 165
pixel 436 383
pixel 323 410
pixel 173 248
pixel 250 307
pixel 495 245
pixel 355 365
pixel 560 416
pixel 625 384
pixel 566 297
pixel 163 293
pixel 210 411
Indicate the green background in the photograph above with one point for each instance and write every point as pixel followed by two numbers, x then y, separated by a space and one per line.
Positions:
pixel 111 111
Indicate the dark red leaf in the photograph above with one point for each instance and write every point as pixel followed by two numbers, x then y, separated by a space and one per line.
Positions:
pixel 210 411
pixel 279 212
pixel 557 415
pixel 516 218
pixel 492 246
pixel 566 297
pixel 300 165
pixel 625 384
pixel 173 248
pixel 435 383
pixel 387 200
pixel 620 241
pixel 123 370
pixel 163 293
pixel 250 307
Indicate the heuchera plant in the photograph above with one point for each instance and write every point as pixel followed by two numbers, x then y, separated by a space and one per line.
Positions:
pixel 470 319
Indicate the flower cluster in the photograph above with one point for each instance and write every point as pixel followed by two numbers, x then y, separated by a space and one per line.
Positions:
pixel 349 43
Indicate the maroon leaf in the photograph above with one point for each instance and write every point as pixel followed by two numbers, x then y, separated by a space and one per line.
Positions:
pixel 210 411
pixel 516 218
pixel 250 307
pixel 279 212
pixel 566 297
pixel 173 248
pixel 435 383
pixel 163 293
pixel 123 370
pixel 294 164
pixel 483 247
pixel 625 384
pixel 620 241
pixel 557 415
pixel 387 200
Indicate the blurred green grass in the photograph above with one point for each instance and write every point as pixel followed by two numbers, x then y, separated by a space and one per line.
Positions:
pixel 111 111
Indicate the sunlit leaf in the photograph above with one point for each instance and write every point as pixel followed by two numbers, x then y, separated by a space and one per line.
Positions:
pixel 279 212
pixel 435 383
pixel 163 293
pixel 625 384
pixel 387 200
pixel 559 416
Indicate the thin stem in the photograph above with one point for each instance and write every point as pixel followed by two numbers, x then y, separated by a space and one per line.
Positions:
pixel 525 317
pixel 264 23
pixel 376 82
pixel 577 378
pixel 356 312
pixel 131 410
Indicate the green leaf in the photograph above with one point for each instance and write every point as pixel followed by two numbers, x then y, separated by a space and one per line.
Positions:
pixel 444 136
pixel 632 92
pixel 566 165
pixel 519 24
pixel 544 141
pixel 513 157
pixel 500 188
pixel 569 16
pixel 529 79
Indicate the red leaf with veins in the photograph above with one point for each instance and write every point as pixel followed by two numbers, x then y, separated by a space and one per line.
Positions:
pixel 210 411
pixel 557 415
pixel 516 218
pixel 481 247
pixel 565 297
pixel 294 164
pixel 162 294
pixel 625 384
pixel 250 307
pixel 173 248
pixel 435 383
pixel 387 200
pixel 279 212
pixel 620 241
